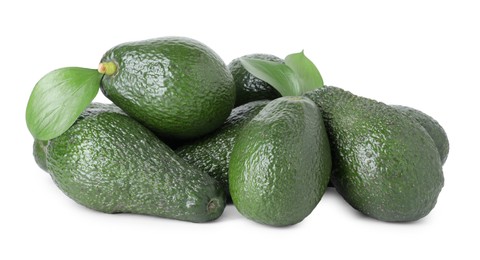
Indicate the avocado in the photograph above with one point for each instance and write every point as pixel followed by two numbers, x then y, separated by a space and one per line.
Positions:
pixel 211 153
pixel 280 163
pixel 248 87
pixel 109 162
pixel 385 164
pixel 39 147
pixel 433 128
pixel 176 86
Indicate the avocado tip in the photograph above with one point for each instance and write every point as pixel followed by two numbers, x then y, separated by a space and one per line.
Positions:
pixel 107 68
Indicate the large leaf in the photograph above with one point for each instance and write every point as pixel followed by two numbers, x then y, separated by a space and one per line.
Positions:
pixel 279 75
pixel 58 99
pixel 306 72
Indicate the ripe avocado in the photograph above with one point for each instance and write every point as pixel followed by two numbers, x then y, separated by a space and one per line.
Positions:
pixel 281 163
pixel 176 86
pixel 211 153
pixel 434 129
pixel 109 162
pixel 249 87
pixel 385 164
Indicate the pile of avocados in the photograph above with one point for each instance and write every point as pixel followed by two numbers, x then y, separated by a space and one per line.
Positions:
pixel 187 134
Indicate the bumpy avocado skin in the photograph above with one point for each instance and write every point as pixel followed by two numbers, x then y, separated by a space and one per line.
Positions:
pixel 39 147
pixel 110 163
pixel 281 163
pixel 211 153
pixel 385 163
pixel 434 129
pixel 176 86
pixel 248 87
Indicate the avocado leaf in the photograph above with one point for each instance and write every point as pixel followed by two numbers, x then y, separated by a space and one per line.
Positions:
pixel 306 72
pixel 58 99
pixel 279 75
pixel 297 76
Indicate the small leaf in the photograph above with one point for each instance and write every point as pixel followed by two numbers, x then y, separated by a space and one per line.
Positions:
pixel 306 72
pixel 279 75
pixel 58 99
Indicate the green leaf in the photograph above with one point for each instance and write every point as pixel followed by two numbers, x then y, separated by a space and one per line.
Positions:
pixel 279 75
pixel 306 72
pixel 58 99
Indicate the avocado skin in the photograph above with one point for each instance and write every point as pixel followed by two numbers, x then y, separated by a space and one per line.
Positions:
pixel 433 128
pixel 211 153
pixel 248 87
pixel 39 147
pixel 110 163
pixel 176 86
pixel 281 163
pixel 384 163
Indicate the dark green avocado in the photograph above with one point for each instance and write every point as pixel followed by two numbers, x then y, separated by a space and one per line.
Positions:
pixel 211 153
pixel 433 128
pixel 109 162
pixel 386 165
pixel 39 149
pixel 281 163
pixel 248 87
pixel 177 87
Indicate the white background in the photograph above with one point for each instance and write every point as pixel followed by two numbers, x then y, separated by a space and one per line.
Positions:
pixel 423 54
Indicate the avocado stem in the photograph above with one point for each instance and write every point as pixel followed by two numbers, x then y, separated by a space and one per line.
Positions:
pixel 212 205
pixel 108 68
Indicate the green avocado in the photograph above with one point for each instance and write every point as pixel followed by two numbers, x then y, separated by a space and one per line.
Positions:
pixel 248 87
pixel 109 162
pixel 385 164
pixel 39 148
pixel 211 153
pixel 177 87
pixel 433 128
pixel 281 163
